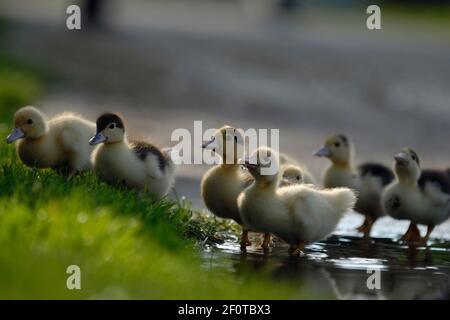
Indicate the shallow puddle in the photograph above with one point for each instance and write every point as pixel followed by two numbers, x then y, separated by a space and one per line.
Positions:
pixel 340 266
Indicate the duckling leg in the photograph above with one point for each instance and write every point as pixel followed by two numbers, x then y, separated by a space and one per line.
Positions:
pixel 266 241
pixel 362 227
pixel 430 229
pixel 412 235
pixel 245 241
pixel 72 172
pixel 295 250
pixel 366 227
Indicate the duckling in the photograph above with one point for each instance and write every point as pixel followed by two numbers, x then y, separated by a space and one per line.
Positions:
pixel 135 164
pixel 292 168
pixel 368 180
pixel 298 214
pixel 293 174
pixel 221 185
pixel 422 197
pixel 58 143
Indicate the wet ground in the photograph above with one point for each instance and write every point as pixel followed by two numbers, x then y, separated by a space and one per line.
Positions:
pixel 341 266
pixel 163 66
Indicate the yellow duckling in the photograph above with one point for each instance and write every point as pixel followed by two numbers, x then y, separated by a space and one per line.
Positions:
pixel 422 197
pixel 293 174
pixel 137 164
pixel 298 214
pixel 221 185
pixel 58 143
pixel 368 180
pixel 292 169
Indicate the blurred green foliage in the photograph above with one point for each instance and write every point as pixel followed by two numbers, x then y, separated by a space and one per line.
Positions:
pixel 18 86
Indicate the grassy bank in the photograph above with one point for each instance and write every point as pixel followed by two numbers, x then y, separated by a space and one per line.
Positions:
pixel 125 245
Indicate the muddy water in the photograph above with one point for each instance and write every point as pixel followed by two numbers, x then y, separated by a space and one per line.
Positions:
pixel 337 268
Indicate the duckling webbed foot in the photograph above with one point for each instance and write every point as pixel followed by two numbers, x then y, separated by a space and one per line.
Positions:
pixel 412 235
pixel 296 250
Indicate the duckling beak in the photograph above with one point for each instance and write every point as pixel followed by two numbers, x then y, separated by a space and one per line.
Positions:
pixel 401 159
pixel 250 166
pixel 98 138
pixel 323 152
pixel 211 144
pixel 16 134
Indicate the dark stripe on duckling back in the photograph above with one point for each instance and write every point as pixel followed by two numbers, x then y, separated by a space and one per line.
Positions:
pixel 439 178
pixel 143 149
pixel 377 170
pixel 106 119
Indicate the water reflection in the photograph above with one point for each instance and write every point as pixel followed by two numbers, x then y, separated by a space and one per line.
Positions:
pixel 337 267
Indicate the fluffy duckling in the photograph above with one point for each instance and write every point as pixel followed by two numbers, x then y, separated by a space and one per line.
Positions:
pixel 221 185
pixel 292 168
pixel 59 143
pixel 422 197
pixel 136 164
pixel 368 179
pixel 298 214
pixel 293 174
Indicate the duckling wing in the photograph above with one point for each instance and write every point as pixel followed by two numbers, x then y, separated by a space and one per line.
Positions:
pixel 436 185
pixel 144 150
pixel 316 212
pixel 377 170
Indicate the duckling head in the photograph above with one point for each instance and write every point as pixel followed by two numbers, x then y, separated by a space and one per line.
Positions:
pixel 263 165
pixel 228 143
pixel 338 148
pixel 292 174
pixel 29 123
pixel 407 165
pixel 110 129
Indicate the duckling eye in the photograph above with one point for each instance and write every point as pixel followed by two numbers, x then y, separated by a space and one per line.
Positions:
pixel 30 121
pixel 112 126
pixel 413 157
pixel 337 144
pixel 298 178
pixel 214 149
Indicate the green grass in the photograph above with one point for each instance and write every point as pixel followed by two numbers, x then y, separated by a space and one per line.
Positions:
pixel 126 245
pixel 439 14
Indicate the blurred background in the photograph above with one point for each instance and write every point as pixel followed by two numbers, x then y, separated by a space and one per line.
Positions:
pixel 307 67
